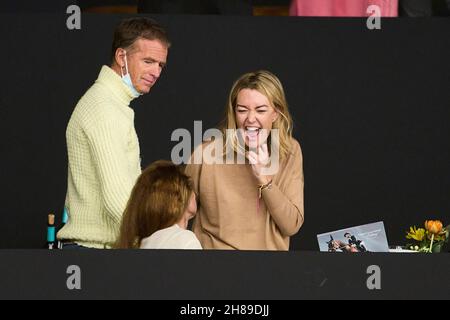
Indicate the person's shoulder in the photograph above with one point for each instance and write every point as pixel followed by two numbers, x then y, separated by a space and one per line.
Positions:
pixel 98 97
pixel 295 147
pixel 101 116
pixel 188 240
pixel 146 243
pixel 213 143
pixel 185 234
pixel 93 104
pixel 172 231
pixel 294 143
pixel 207 152
pixel 156 239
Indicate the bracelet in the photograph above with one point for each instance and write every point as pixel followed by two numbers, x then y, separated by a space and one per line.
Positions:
pixel 264 186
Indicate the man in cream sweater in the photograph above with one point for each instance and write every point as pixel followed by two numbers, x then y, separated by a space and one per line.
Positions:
pixel 102 145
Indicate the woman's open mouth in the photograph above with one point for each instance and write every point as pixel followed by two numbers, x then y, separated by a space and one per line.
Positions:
pixel 252 132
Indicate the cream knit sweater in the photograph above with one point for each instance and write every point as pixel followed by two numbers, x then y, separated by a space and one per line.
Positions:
pixel 104 162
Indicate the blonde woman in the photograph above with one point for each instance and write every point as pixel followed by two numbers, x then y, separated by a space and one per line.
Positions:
pixel 157 214
pixel 246 205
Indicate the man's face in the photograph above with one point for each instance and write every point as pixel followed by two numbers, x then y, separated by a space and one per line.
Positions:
pixel 146 60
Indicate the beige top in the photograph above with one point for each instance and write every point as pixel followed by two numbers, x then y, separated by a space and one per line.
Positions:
pixel 229 216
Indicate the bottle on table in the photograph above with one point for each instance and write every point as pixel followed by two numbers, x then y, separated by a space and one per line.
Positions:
pixel 51 232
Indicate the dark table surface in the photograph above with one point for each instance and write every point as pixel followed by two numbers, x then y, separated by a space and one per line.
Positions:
pixel 223 275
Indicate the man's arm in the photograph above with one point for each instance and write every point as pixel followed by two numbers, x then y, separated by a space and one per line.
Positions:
pixel 108 143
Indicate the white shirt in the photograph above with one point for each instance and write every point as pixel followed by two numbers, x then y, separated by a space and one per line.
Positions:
pixel 173 237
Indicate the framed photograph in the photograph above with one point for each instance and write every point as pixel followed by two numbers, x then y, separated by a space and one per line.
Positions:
pixel 365 238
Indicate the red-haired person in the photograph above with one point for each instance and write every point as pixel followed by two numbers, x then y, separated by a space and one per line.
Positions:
pixel 157 214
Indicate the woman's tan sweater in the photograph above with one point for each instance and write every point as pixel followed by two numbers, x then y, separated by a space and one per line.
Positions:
pixel 229 215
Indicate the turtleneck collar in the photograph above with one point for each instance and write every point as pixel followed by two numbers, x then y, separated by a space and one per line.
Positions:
pixel 114 82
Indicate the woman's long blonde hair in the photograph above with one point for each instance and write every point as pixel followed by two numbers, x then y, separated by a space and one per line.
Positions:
pixel 158 201
pixel 269 85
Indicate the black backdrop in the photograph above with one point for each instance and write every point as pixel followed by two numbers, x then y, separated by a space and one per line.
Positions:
pixel 371 110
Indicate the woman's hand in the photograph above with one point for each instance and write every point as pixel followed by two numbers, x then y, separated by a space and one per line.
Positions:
pixel 260 160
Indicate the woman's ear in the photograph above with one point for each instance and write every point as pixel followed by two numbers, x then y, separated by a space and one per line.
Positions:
pixel 275 117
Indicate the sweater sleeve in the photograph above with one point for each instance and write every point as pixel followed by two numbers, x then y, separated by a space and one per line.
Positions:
pixel 286 207
pixel 108 142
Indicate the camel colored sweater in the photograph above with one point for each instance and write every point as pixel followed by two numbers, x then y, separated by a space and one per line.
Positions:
pixel 104 162
pixel 229 216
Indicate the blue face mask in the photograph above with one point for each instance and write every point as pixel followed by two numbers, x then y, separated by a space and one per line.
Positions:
pixel 127 79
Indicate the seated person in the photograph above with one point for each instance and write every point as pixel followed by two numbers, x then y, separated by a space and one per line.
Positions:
pixel 157 214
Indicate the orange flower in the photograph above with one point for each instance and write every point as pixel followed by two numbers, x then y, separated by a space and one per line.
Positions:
pixel 433 226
